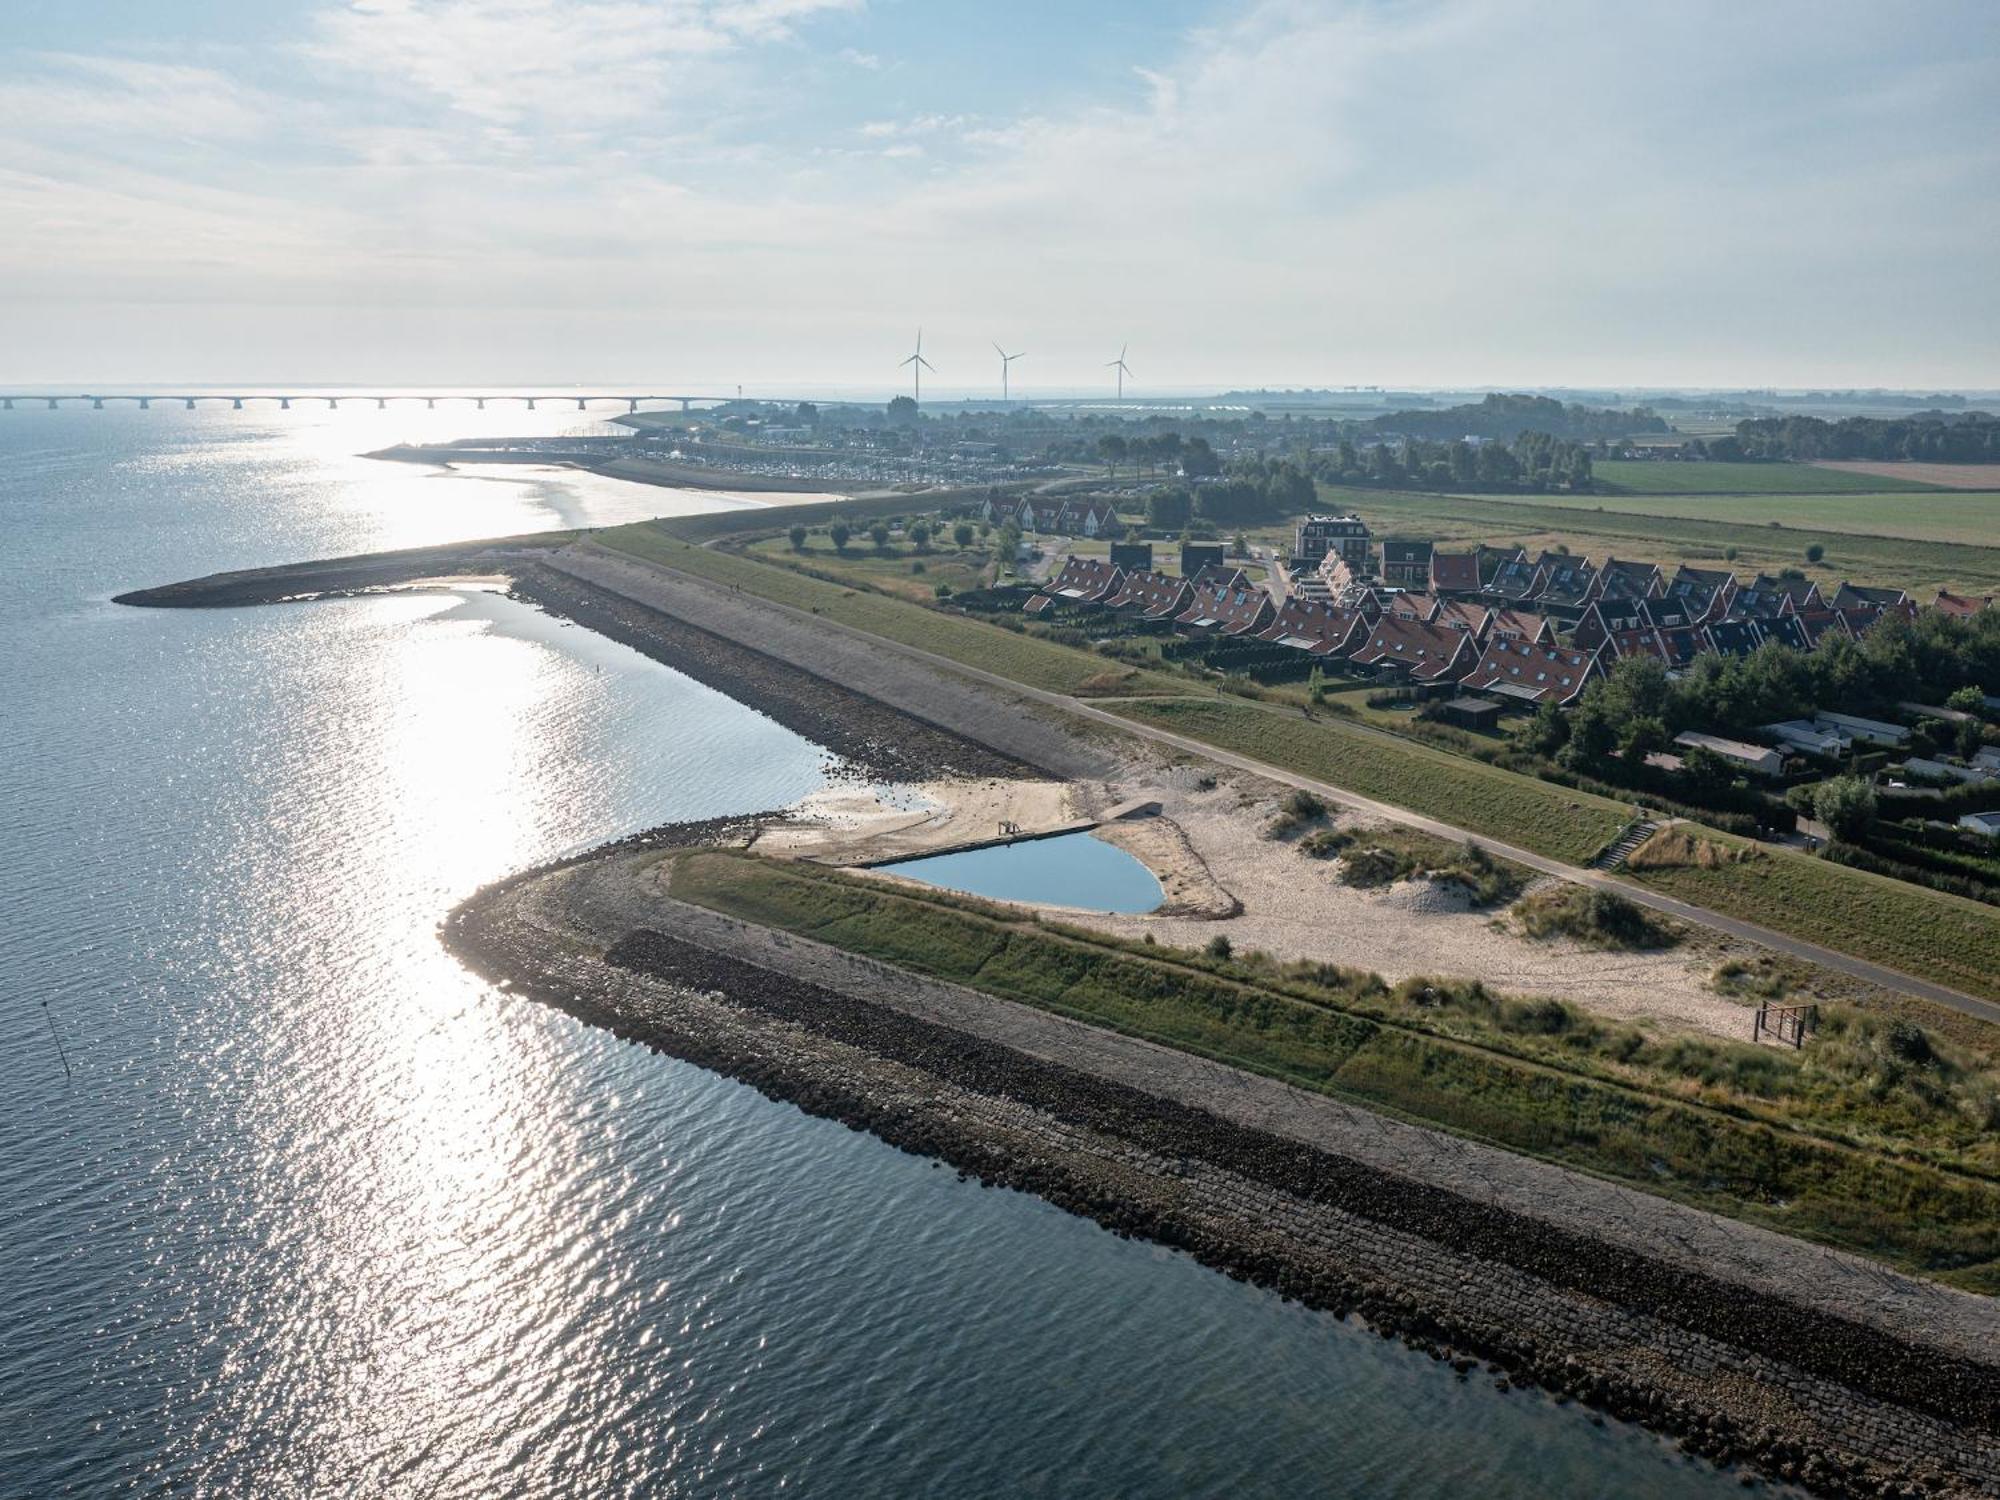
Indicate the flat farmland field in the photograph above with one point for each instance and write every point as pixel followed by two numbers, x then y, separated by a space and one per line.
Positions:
pixel 1909 542
pixel 1639 477
pixel 1967 516
pixel 1946 476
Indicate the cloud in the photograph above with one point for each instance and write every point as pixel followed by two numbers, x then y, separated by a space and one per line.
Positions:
pixel 561 65
pixel 69 94
pixel 1436 190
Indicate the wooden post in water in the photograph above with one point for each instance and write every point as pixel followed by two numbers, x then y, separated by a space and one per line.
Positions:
pixel 61 1051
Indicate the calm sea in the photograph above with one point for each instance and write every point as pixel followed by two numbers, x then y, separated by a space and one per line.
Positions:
pixel 319 1214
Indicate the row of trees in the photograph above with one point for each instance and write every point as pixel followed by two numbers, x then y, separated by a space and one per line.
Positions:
pixel 1533 461
pixel 1256 490
pixel 1934 436
pixel 1506 417
pixel 1149 452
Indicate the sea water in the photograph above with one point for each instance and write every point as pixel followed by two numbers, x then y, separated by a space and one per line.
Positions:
pixel 318 1213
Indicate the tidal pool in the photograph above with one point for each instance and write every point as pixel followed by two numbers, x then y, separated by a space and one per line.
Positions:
pixel 1072 869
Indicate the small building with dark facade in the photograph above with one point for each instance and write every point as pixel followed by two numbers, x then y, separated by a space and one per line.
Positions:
pixel 1132 556
pixel 1198 555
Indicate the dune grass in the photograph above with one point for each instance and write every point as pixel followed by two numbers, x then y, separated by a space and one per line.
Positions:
pixel 1806 1142
pixel 1466 793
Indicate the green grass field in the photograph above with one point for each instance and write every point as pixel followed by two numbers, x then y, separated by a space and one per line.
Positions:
pixel 1548 819
pixel 901 570
pixel 1600 524
pixel 1919 931
pixel 1636 477
pixel 1780 1138
pixel 1971 517
pixel 1023 658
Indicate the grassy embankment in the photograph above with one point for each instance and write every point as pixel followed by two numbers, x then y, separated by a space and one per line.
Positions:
pixel 1954 941
pixel 1875 1140
pixel 1022 658
pixel 1944 937
pixel 1468 794
pixel 1637 477
pixel 897 569
pixel 1627 526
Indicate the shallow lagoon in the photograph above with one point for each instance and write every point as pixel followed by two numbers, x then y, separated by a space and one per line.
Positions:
pixel 1071 869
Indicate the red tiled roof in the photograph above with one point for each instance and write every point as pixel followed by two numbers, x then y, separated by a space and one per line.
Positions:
pixel 1311 625
pixel 1454 572
pixel 1532 673
pixel 1426 651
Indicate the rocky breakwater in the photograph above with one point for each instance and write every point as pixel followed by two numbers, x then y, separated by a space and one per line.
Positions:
pixel 1748 1347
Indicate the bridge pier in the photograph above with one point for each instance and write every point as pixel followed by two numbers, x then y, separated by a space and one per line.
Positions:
pixel 686 404
pixel 632 405
pixel 284 403
pixel 9 400
pixel 482 402
pixel 333 403
pixel 52 403
pixel 531 403
pixel 579 403
pixel 381 403
pixel 236 403
pixel 190 403
pixel 430 403
pixel 97 403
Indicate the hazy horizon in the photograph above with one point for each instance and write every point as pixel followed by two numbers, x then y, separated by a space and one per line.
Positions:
pixel 777 193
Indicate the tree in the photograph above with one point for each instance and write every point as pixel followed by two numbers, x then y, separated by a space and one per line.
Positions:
pixel 879 535
pixel 1644 735
pixel 1592 737
pixel 1705 772
pixel 1548 732
pixel 798 537
pixel 1846 804
pixel 920 535
pixel 1198 460
pixel 840 533
pixel 902 412
pixel 1112 449
pixel 1169 509
pixel 1967 700
pixel 805 414
pixel 1971 737
pixel 1815 552
pixel 961 534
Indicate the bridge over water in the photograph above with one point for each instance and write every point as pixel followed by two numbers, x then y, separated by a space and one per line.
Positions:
pixel 284 399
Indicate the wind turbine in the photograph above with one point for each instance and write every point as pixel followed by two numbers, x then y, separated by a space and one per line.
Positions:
pixel 1006 359
pixel 1121 367
pixel 918 364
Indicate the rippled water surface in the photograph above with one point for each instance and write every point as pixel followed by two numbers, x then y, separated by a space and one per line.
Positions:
pixel 320 1214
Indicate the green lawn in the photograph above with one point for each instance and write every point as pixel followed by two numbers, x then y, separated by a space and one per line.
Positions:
pixel 1600 524
pixel 1637 477
pixel 900 570
pixel 1535 815
pixel 1673 1124
pixel 1966 516
pixel 1023 658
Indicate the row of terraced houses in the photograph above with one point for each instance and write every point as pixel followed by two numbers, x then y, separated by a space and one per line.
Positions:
pixel 1530 630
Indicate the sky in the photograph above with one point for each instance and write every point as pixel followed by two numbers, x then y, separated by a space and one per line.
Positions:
pixel 696 194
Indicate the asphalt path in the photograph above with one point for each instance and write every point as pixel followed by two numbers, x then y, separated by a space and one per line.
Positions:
pixel 1830 958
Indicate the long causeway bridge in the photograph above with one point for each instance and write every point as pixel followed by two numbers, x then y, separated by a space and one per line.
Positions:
pixel 284 399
